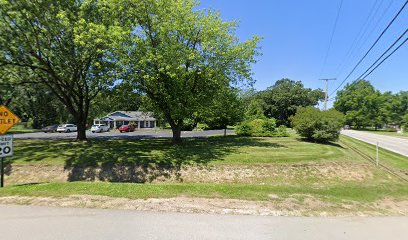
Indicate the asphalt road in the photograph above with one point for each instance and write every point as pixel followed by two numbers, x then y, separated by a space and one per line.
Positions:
pixel 394 144
pixel 43 223
pixel 117 135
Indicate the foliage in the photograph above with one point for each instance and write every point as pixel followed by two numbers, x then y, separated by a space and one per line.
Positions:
pixel 121 97
pixel 181 57
pixel 282 131
pixel 316 125
pixel 63 45
pixel 285 96
pixel 255 109
pixel 226 109
pixel 405 122
pixel 364 106
pixel 257 128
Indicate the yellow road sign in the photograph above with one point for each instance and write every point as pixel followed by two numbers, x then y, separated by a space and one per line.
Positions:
pixel 7 119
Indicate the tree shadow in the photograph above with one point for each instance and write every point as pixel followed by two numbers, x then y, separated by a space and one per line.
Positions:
pixel 321 143
pixel 146 160
pixel 135 160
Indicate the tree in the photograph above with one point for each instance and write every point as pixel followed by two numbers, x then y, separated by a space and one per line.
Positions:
pixel 64 45
pixel 316 125
pixel 360 103
pixel 181 57
pixel 286 96
pixel 255 109
pixel 226 109
pixel 121 97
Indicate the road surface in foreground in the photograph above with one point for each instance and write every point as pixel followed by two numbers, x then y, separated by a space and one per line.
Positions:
pixel 33 222
pixel 394 144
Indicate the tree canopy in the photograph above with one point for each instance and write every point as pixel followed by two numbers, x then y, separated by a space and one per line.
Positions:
pixel 181 57
pixel 63 45
pixel 364 106
pixel 286 96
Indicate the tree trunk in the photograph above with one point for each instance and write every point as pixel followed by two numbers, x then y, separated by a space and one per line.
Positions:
pixel 81 133
pixel 176 133
pixel 225 131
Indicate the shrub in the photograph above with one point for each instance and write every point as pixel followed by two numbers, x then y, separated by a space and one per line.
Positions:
pixel 282 131
pixel 316 125
pixel 243 129
pixel 256 128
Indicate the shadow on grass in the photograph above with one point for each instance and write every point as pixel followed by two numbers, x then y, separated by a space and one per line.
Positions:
pixel 142 160
pixel 321 143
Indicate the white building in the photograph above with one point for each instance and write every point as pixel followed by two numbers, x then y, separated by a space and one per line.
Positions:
pixel 139 119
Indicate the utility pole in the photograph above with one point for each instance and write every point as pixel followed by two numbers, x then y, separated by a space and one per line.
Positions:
pixel 327 89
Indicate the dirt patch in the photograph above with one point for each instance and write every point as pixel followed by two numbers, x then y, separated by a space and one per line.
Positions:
pixel 253 174
pixel 290 206
pixel 22 174
pixel 400 207
pixel 250 174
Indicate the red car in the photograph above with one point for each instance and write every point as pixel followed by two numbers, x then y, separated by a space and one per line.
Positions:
pixel 126 128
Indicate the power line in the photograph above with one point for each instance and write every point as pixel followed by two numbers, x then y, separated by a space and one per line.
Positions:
pixel 372 46
pixel 382 55
pixel 389 55
pixel 331 37
pixel 359 36
pixel 364 75
pixel 364 39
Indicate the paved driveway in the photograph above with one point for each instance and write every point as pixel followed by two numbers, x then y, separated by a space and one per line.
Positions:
pixel 394 144
pixel 45 223
pixel 117 135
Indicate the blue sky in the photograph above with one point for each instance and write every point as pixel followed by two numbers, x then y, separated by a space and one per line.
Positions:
pixel 297 33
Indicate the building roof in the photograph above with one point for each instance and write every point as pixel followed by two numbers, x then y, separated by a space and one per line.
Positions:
pixel 129 116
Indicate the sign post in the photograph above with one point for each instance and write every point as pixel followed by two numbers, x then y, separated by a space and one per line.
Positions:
pixel 7 120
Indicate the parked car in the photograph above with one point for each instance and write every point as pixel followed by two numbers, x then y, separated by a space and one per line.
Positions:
pixel 126 128
pixel 67 128
pixel 50 129
pixel 100 128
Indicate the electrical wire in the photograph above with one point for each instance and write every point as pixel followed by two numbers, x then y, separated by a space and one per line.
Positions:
pixel 389 55
pixel 331 36
pixel 372 46
pixel 382 55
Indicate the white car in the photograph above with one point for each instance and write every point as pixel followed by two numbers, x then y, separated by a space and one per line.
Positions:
pixel 67 128
pixel 100 128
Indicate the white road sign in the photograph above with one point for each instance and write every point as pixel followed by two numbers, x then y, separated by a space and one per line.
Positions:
pixel 6 146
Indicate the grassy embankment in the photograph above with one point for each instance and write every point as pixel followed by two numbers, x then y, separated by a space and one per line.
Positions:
pixel 248 168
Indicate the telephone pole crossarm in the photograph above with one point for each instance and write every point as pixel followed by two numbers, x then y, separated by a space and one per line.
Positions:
pixel 327 89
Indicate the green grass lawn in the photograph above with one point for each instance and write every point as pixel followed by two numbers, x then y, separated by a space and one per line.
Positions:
pixel 20 128
pixel 230 150
pixel 390 159
pixel 303 160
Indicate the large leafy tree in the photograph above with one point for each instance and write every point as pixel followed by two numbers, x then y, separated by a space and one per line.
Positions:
pixel 360 103
pixel 181 57
pixel 286 96
pixel 63 45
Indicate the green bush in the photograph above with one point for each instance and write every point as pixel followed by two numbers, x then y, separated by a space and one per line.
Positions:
pixel 282 131
pixel 316 125
pixel 257 128
pixel 405 123
pixel 243 129
pixel 188 124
